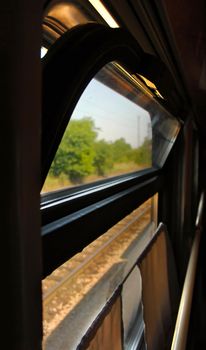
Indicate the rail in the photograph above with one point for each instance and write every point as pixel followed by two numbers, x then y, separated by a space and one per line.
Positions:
pixel 183 317
pixel 89 257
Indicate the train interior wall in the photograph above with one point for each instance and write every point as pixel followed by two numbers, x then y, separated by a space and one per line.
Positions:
pixel 197 337
pixel 182 234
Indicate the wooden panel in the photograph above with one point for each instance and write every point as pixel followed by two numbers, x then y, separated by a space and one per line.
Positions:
pixel 109 334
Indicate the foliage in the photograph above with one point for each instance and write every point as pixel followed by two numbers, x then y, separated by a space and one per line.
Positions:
pixel 75 156
pixel 143 153
pixel 121 150
pixel 81 154
pixel 103 160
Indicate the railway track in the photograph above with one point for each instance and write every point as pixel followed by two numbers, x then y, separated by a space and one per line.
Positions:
pixel 68 284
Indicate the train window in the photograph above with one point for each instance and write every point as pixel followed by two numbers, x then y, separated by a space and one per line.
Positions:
pixel 78 290
pixel 109 134
pixel 116 128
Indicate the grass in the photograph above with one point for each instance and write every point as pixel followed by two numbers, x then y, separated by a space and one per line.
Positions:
pixel 53 183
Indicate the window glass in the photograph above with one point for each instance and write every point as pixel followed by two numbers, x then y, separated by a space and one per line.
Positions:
pixel 165 129
pixel 77 291
pixel 109 134
pixel 117 127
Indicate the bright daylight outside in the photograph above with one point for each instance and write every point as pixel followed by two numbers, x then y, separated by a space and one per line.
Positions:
pixel 108 134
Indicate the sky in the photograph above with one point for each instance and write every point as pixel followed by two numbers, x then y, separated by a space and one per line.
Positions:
pixel 115 115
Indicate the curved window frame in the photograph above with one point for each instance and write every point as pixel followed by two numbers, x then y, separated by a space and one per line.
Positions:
pixel 72 218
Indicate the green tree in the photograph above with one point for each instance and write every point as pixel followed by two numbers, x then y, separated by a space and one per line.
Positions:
pixel 75 156
pixel 103 160
pixel 143 154
pixel 121 150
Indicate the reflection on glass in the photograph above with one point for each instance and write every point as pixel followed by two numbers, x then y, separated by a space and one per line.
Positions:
pixel 110 133
pixel 165 129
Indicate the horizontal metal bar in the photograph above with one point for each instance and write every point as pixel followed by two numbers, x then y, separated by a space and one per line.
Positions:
pixel 182 323
pixel 58 204
pixel 65 237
